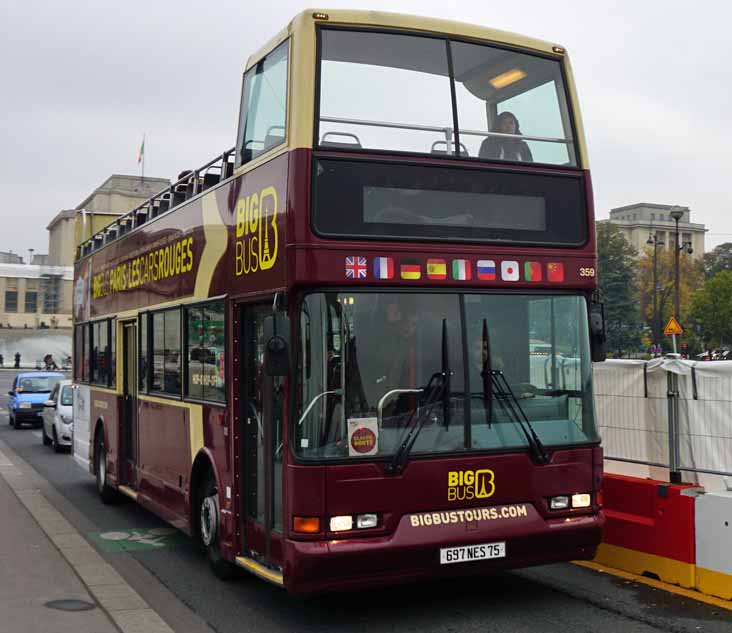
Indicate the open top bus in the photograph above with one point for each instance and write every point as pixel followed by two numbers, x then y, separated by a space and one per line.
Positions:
pixel 356 348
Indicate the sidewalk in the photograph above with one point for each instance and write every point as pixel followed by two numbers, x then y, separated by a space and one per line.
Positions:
pixel 33 573
pixel 44 558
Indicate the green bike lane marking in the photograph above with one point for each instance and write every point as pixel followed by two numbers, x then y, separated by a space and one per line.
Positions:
pixel 138 539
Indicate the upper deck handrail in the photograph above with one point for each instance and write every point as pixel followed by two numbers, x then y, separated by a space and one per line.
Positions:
pixel 447 131
pixel 189 185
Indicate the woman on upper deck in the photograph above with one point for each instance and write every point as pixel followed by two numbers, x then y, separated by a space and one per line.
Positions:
pixel 503 148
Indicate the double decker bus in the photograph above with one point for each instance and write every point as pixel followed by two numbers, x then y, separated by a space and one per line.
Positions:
pixel 356 348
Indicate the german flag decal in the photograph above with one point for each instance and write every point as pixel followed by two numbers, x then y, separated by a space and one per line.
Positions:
pixel 410 269
pixel 436 269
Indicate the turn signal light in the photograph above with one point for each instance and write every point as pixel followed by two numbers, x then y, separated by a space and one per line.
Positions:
pixel 581 500
pixel 306 525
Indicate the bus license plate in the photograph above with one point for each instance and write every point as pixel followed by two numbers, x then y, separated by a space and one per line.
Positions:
pixel 449 555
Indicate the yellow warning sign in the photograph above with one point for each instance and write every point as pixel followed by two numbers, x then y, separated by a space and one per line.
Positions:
pixel 673 327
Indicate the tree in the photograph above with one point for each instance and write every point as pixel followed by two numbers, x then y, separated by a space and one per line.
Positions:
pixel 718 259
pixel 616 281
pixel 691 278
pixel 711 309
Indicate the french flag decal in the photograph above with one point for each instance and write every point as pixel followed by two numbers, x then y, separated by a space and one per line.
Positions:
pixel 383 267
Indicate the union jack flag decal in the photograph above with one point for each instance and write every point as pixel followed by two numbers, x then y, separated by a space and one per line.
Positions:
pixel 355 268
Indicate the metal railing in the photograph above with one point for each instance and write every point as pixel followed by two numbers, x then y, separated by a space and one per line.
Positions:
pixel 448 132
pixel 190 184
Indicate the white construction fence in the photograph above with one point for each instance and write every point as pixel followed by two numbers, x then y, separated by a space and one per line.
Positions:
pixel 667 416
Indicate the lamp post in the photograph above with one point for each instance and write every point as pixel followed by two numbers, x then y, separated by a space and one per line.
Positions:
pixel 653 240
pixel 677 213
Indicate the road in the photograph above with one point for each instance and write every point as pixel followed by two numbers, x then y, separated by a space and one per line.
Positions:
pixel 174 578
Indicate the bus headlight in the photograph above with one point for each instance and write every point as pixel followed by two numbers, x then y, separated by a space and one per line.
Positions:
pixel 559 503
pixel 341 523
pixel 364 521
pixel 582 500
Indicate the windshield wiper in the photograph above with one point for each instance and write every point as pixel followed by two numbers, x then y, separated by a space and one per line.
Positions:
pixel 501 390
pixel 437 385
pixel 446 376
pixel 486 375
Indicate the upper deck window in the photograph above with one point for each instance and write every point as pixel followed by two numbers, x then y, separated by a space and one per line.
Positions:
pixel 394 92
pixel 263 114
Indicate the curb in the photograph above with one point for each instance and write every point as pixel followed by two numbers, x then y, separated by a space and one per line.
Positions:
pixel 123 605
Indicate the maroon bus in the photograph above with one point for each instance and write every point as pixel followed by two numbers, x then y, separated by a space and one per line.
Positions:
pixel 357 348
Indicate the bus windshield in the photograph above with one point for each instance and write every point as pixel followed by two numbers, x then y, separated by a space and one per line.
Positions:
pixel 394 92
pixel 368 361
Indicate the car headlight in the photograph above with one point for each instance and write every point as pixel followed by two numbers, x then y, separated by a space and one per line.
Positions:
pixel 25 405
pixel 66 419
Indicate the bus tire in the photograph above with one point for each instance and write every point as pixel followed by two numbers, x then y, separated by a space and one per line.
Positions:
pixel 208 514
pixel 107 494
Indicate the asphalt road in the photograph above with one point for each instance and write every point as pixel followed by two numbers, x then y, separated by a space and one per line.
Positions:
pixel 563 598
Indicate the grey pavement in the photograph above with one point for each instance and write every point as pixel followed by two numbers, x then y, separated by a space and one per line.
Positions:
pixel 33 573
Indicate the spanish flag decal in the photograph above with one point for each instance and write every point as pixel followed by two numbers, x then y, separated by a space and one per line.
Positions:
pixel 410 269
pixel 436 269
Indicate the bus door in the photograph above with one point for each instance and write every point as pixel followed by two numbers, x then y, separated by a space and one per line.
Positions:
pixel 129 404
pixel 261 442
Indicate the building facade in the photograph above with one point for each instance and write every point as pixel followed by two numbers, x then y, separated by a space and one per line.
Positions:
pixel 39 294
pixel 639 221
pixel 35 296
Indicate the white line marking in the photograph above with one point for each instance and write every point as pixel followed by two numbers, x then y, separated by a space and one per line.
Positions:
pixel 38 434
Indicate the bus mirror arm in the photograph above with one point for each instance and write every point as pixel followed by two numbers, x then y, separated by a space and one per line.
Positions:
pixel 597 332
pixel 387 396
pixel 333 392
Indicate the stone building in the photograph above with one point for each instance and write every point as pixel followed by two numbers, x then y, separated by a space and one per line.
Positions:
pixel 639 221
pixel 39 294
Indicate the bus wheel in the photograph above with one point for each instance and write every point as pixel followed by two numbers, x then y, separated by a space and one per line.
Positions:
pixel 106 493
pixel 208 529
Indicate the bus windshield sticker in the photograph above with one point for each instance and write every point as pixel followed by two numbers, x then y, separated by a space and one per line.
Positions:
pixel 363 436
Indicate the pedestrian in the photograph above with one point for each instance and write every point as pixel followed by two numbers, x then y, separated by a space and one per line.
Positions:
pixel 17 360
pixel 2 361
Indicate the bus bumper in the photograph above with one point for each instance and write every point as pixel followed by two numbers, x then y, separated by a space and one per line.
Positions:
pixel 413 554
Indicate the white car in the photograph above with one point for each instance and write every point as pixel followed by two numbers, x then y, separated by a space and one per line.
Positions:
pixel 58 414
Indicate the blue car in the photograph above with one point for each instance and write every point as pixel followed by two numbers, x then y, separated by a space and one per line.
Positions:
pixel 26 398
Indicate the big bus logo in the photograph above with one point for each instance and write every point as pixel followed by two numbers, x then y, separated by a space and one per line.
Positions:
pixel 464 485
pixel 256 232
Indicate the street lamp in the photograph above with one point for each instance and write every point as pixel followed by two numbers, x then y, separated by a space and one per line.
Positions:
pixel 655 241
pixel 677 213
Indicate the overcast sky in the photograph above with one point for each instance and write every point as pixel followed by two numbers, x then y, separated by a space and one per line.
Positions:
pixel 82 81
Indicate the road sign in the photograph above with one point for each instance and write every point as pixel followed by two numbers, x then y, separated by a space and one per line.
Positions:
pixel 673 327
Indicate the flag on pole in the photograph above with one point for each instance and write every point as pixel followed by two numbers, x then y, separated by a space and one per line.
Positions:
pixel 141 154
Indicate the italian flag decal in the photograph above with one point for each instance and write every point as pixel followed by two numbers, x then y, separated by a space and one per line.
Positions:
pixel 461 269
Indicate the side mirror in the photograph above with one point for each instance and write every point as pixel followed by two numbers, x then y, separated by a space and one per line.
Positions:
pixel 277 349
pixel 597 332
pixel 49 404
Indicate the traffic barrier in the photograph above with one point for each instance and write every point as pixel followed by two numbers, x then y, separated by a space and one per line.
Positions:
pixel 714 544
pixel 649 529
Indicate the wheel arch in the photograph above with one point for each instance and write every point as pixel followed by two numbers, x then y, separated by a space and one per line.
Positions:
pixel 202 463
pixel 98 426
